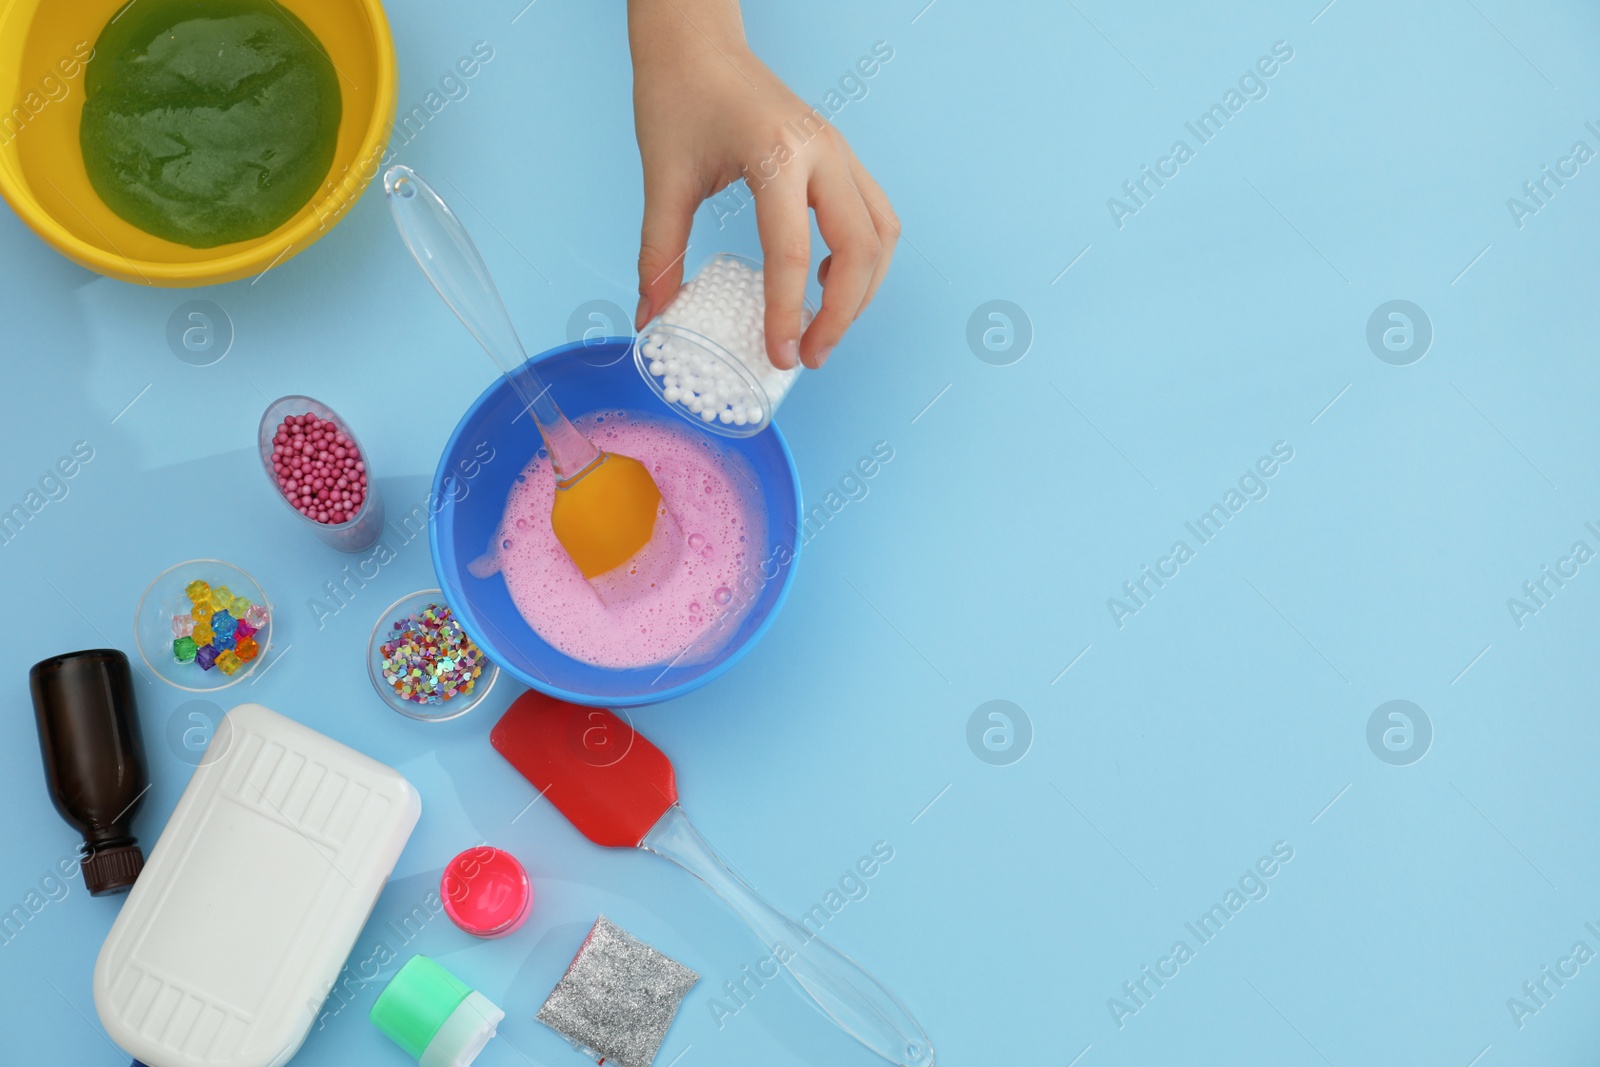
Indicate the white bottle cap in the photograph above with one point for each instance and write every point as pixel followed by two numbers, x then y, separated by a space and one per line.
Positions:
pixel 464 1034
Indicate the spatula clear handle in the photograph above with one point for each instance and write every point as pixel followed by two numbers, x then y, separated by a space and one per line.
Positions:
pixel 848 995
pixel 445 252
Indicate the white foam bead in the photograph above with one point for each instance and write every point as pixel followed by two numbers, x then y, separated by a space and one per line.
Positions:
pixel 671 393
pixel 726 303
pixel 657 368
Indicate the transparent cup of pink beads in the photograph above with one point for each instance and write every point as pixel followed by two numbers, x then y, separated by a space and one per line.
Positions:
pixel 705 356
pixel 356 534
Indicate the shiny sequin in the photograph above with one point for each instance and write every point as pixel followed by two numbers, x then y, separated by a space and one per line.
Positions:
pixel 427 658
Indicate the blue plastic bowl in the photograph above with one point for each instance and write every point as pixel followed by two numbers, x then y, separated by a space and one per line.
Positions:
pixel 486 453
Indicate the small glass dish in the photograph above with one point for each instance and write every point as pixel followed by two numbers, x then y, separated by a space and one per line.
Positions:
pixel 166 598
pixel 705 356
pixel 408 607
pixel 355 535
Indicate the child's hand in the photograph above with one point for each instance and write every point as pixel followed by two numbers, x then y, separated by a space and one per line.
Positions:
pixel 708 113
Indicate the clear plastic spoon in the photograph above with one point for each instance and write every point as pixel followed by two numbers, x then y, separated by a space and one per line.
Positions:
pixel 608 512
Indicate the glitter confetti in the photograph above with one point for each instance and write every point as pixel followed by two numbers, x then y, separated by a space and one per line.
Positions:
pixel 428 658
pixel 618 998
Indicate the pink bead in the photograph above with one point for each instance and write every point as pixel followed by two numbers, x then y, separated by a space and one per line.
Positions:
pixel 318 468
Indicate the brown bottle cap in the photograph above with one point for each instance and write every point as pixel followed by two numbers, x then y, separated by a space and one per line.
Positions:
pixel 112 870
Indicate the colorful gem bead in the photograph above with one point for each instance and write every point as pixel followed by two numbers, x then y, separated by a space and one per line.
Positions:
pixel 219 629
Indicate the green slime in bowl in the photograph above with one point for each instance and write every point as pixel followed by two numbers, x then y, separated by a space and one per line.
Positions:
pixel 208 121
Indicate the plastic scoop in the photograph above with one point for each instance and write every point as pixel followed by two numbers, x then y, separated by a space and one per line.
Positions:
pixel 608 512
pixel 619 790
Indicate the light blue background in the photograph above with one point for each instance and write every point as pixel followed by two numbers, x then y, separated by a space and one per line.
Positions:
pixel 1229 714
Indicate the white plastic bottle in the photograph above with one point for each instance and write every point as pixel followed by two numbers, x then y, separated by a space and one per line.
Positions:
pixel 253 896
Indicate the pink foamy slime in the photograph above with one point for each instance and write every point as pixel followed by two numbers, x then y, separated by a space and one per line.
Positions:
pixel 720 527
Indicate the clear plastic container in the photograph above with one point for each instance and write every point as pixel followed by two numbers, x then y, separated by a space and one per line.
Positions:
pixel 357 534
pixel 705 356
pixel 451 708
pixel 165 599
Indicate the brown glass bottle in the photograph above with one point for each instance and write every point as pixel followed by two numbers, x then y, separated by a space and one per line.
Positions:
pixel 93 758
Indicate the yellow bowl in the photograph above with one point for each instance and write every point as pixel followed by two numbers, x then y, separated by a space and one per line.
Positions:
pixel 44 45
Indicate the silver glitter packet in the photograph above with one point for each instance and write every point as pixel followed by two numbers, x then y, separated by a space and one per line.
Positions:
pixel 618 997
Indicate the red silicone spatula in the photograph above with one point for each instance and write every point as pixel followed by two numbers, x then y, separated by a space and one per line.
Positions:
pixel 619 790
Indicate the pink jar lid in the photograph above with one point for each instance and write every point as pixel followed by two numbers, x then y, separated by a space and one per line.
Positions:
pixel 486 892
